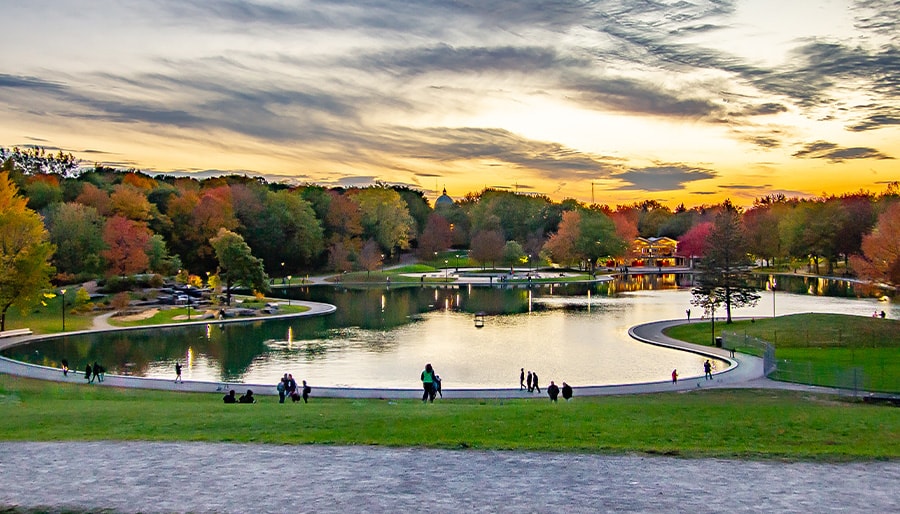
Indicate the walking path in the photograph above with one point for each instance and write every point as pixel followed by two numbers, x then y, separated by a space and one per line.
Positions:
pixel 240 478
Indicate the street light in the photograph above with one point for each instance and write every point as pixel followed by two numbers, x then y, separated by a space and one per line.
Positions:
pixel 772 284
pixel 457 263
pixel 285 291
pixel 446 271
pixel 62 292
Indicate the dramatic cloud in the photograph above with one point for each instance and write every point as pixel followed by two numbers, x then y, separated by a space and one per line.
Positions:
pixel 662 178
pixel 831 152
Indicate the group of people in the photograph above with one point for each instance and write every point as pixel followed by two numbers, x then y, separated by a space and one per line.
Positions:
pixel 287 388
pixel 431 384
pixel 529 381
pixel 553 391
pixel 91 373
pixel 244 398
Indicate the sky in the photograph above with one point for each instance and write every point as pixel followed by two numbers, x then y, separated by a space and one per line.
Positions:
pixel 613 102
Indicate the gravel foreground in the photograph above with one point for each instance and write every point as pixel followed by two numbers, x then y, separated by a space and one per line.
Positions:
pixel 244 478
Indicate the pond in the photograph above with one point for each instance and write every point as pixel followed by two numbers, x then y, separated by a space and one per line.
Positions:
pixel 382 337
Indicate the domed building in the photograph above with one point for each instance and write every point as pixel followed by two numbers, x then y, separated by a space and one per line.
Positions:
pixel 444 200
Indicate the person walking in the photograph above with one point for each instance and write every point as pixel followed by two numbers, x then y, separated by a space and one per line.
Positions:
pixel 674 376
pixel 530 381
pixel 178 373
pixel 522 380
pixel 553 391
pixel 65 367
pixel 566 391
pixel 707 370
pixel 88 373
pixel 428 383
pixel 534 382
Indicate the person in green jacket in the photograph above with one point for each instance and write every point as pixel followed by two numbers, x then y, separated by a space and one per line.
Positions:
pixel 428 383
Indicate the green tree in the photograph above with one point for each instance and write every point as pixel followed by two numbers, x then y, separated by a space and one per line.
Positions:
pixel 77 232
pixel 597 237
pixel 385 217
pixel 724 271
pixel 237 265
pixel 513 254
pixel 25 252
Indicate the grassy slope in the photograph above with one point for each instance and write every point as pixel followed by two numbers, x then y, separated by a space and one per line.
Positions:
pixel 738 423
pixel 826 339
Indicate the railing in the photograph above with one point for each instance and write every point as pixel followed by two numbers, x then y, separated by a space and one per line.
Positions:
pixel 852 378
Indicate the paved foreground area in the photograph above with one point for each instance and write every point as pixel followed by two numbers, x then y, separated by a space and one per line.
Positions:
pixel 240 478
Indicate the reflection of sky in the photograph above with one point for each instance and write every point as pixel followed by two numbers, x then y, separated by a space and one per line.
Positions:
pixel 682 101
pixel 582 340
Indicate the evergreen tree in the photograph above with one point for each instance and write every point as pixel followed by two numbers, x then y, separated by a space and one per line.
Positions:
pixel 724 271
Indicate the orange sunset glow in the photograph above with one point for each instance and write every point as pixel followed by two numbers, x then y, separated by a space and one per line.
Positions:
pixel 608 101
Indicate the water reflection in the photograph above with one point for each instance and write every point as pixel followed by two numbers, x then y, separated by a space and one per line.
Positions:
pixel 382 337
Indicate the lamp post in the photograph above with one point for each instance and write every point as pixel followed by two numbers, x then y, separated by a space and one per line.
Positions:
pixel 446 271
pixel 457 263
pixel 285 291
pixel 62 293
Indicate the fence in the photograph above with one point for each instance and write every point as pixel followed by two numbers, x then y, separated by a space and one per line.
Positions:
pixel 805 372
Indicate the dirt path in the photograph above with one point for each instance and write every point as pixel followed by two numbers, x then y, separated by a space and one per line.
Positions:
pixel 239 478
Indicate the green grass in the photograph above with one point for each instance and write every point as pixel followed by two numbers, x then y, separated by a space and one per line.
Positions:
pixel 756 424
pixel 45 319
pixel 826 341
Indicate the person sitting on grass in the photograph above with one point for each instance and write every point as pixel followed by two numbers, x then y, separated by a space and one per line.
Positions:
pixel 230 398
pixel 247 397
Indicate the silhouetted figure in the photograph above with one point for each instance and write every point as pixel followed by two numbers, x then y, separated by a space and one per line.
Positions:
pixel 88 373
pixel 282 388
pixel 567 391
pixel 883 315
pixel 534 382
pixel 98 372
pixel 291 385
pixel 65 367
pixel 437 385
pixel 247 397
pixel 707 370
pixel 688 312
pixel 229 398
pixel 522 380
pixel 428 383
pixel 306 391
pixel 674 376
pixel 552 391
pixel 530 381
pixel 178 372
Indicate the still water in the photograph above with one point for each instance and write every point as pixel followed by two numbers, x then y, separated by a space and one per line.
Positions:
pixel 383 337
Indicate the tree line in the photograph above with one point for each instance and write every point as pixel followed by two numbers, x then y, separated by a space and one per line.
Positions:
pixel 111 222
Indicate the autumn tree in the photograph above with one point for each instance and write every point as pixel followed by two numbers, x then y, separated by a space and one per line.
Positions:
pixel 724 271
pixel 436 237
pixel 561 245
pixel 487 246
pixel 880 259
pixel 693 243
pixel 127 242
pixel 370 257
pixel 25 252
pixel 129 202
pixel 237 265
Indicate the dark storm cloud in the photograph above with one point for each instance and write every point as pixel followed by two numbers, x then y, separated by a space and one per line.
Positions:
pixel 662 178
pixel 833 153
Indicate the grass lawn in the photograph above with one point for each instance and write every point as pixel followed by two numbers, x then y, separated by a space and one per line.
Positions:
pixel 757 424
pixel 179 315
pixel 45 319
pixel 826 341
